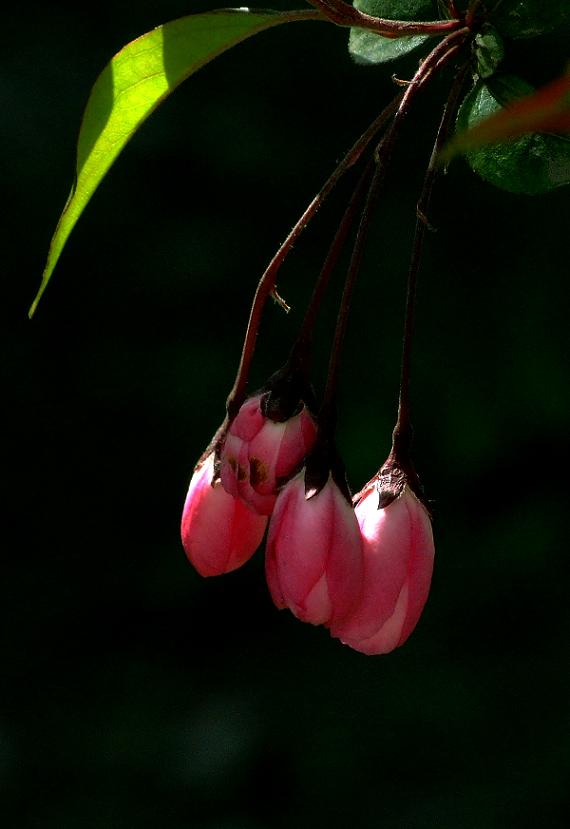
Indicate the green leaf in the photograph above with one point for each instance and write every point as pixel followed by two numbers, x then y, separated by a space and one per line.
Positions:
pixel 529 18
pixel 532 164
pixel 134 83
pixel 489 51
pixel 368 47
pixel 546 110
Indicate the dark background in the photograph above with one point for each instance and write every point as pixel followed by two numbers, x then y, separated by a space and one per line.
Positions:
pixel 135 693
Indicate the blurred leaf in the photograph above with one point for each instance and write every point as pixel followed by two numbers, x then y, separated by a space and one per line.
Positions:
pixel 134 83
pixel 529 18
pixel 546 110
pixel 368 47
pixel 489 51
pixel 531 163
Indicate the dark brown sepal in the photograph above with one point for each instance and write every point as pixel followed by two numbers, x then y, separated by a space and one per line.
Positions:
pixel 286 392
pixel 324 462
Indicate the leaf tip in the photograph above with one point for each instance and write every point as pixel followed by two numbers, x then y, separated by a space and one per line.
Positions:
pixel 45 279
pixel 33 306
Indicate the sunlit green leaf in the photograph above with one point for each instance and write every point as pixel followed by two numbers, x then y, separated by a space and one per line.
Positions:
pixel 533 163
pixel 368 47
pixel 134 83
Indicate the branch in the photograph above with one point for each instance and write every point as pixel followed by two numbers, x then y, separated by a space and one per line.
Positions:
pixel 339 12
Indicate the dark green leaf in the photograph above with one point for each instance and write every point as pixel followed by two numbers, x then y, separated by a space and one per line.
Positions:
pixel 529 18
pixel 134 83
pixel 534 163
pixel 368 47
pixel 489 51
pixel 509 88
pixel 545 110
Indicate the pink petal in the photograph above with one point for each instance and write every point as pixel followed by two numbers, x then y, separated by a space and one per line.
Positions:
pixel 386 535
pixel 317 607
pixel 296 542
pixel 303 546
pixel 263 452
pixel 272 575
pixel 262 504
pixel 345 562
pixel 398 563
pixel 219 533
pixel 298 438
pixel 233 464
pixel 420 568
pixel 249 420
pixel 389 635
pixel 314 552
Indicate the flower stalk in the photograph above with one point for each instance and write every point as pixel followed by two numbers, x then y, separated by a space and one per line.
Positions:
pixel 266 284
pixel 361 567
pixel 433 62
pixel 400 455
pixel 303 344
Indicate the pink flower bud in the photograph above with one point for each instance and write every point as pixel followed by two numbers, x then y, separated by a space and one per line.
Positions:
pixel 259 452
pixel 219 533
pixel 398 563
pixel 314 553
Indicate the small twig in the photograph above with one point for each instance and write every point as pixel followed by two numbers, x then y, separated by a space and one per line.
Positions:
pixel 399 81
pixel 279 300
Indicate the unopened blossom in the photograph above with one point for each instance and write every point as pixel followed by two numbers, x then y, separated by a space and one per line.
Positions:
pixel 398 553
pixel 314 553
pixel 259 453
pixel 219 532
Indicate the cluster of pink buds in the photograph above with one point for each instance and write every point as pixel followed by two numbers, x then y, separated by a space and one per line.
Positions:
pixel 359 567
pixel 235 484
pixel 362 571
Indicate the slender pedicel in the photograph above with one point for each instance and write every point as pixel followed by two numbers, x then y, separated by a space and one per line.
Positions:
pixel 433 62
pixel 267 282
pixel 402 434
pixel 303 344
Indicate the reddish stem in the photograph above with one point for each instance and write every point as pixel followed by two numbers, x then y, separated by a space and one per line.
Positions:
pixel 266 284
pixel 472 11
pixel 339 12
pixel 452 9
pixel 437 58
pixel 328 408
pixel 402 434
pixel 303 344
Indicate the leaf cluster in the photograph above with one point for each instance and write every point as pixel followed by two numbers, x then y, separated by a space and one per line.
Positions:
pixel 532 163
pixel 147 70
